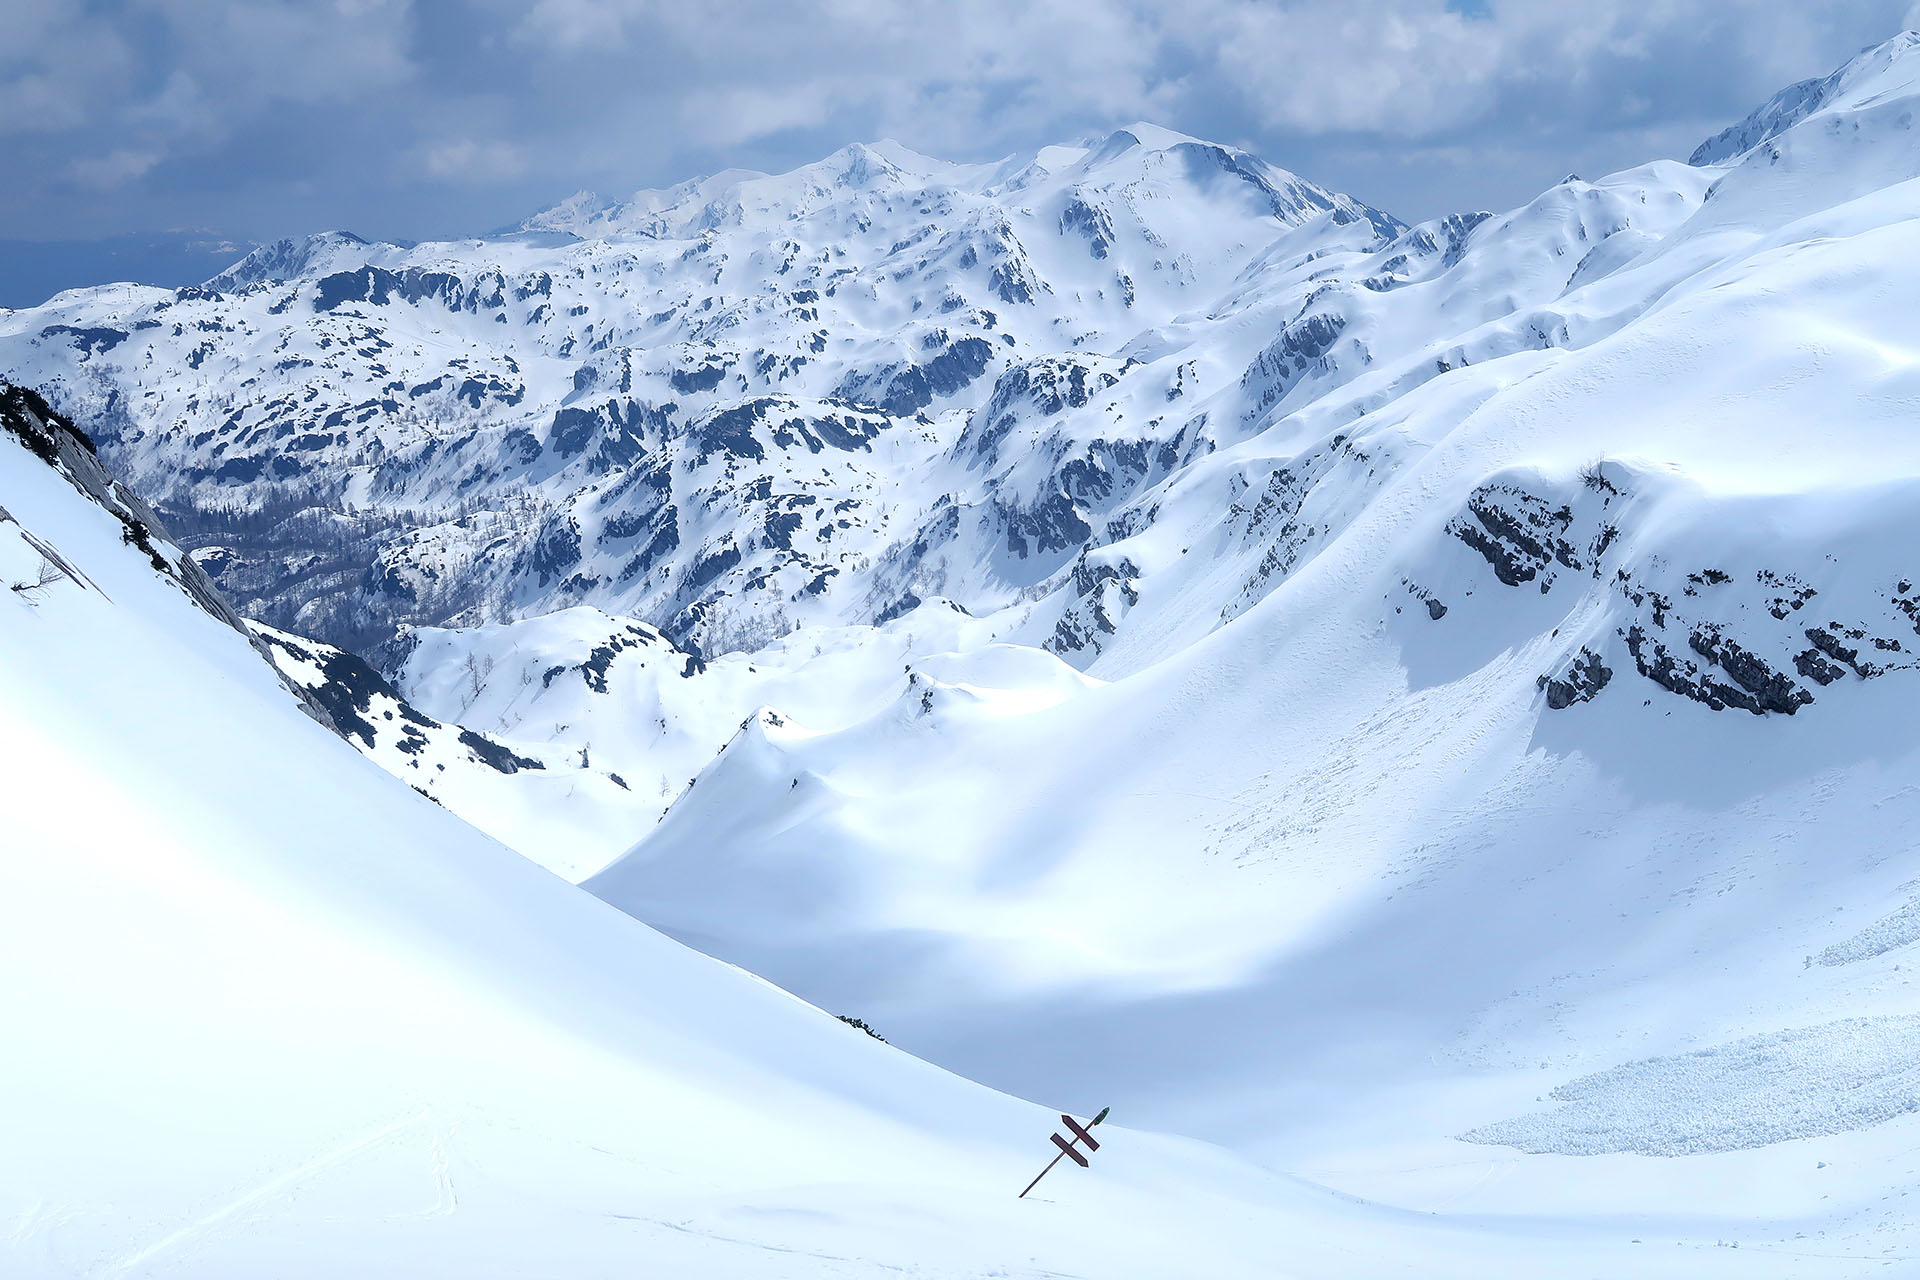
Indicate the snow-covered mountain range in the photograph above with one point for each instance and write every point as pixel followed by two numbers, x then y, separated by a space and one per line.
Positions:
pixel 1426 707
pixel 731 407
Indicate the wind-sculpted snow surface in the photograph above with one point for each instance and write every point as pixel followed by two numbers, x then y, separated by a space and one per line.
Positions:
pixel 1898 929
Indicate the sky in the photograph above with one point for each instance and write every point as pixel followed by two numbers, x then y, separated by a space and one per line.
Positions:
pixel 164 133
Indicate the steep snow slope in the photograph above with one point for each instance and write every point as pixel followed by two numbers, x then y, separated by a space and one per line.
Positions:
pixel 1883 69
pixel 286 1017
pixel 551 805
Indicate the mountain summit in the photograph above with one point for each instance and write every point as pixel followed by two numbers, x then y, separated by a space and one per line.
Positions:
pixel 1889 69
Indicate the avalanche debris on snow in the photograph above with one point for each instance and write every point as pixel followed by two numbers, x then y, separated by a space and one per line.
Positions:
pixel 1775 1087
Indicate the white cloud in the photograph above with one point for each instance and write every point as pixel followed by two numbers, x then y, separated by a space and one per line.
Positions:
pixel 569 25
pixel 115 169
pixel 57 70
pixel 303 51
pixel 525 98
pixel 997 71
pixel 465 160
pixel 1366 66
pixel 1418 68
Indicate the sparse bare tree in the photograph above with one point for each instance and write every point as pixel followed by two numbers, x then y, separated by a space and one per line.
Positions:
pixel 1594 476
pixel 476 678
pixel 31 590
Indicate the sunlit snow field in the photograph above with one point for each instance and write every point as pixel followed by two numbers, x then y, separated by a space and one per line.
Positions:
pixel 1459 810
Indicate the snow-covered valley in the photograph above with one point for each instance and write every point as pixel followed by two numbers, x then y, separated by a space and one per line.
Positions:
pixel 1421 716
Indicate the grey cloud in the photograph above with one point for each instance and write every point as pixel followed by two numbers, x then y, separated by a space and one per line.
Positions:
pixel 434 117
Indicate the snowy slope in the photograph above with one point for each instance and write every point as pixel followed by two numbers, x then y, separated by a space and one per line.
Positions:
pixel 287 1017
pixel 1506 807
pixel 579 686
pixel 1427 708
pixel 551 805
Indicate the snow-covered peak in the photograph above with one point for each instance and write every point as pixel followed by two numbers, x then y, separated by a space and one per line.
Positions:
pixel 743 196
pixel 1886 70
pixel 1164 163
pixel 859 174
pixel 285 259
pixel 645 213
pixel 1146 134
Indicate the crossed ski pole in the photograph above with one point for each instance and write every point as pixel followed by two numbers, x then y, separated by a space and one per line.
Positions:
pixel 1068 1148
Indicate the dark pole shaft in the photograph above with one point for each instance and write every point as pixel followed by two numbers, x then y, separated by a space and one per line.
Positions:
pixel 1043 1173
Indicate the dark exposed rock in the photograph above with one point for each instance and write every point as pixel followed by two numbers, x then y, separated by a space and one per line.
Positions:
pixel 1792 594
pixel 1091 222
pixel 779 528
pixel 1104 469
pixel 1102 592
pixel 1583 678
pixel 703 378
pixel 1831 645
pixel 1050 526
pixel 898 609
pixel 1516 533
pixel 711 566
pixel 1757 687
pixel 555 551
pixel 1301 346
pixel 574 429
pixel 1810 664
pixel 348 691
pixel 1769 690
pixel 1036 389
pixel 93 341
pixel 730 431
pixel 858 1025
pixel 377 286
pixel 903 390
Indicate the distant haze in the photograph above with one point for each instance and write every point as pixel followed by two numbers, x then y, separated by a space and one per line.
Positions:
pixel 32 271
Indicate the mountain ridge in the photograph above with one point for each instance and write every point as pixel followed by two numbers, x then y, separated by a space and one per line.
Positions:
pixel 751 358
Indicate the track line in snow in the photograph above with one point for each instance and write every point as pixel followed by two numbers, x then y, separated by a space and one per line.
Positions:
pixel 340 1155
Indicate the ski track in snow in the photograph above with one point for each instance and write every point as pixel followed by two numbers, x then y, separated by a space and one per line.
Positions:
pixel 184 1235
